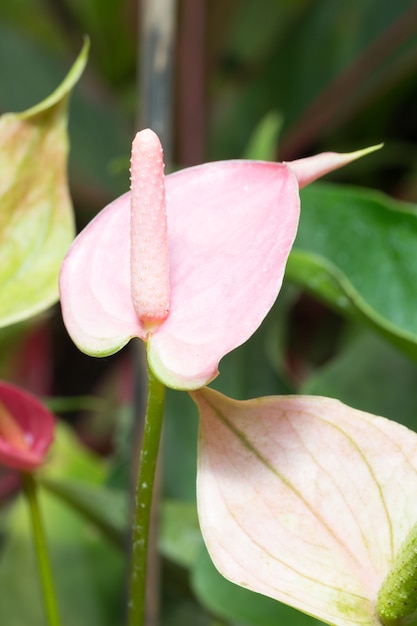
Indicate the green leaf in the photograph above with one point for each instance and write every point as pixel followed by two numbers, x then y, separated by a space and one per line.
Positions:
pixel 180 445
pixel 76 476
pixel 180 538
pixel 88 573
pixel 36 221
pixel 84 566
pixel 104 507
pixel 355 249
pixel 263 143
pixel 371 375
pixel 69 459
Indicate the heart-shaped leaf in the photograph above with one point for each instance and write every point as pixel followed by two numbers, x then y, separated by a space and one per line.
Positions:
pixel 36 221
pixel 305 500
pixel 356 249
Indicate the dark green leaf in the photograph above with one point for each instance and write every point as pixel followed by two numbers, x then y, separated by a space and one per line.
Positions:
pixel 355 249
pixel 371 375
pixel 180 538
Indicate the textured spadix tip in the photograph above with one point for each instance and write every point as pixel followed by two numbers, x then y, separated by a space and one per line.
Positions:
pixel 145 146
pixel 149 261
pixel 309 169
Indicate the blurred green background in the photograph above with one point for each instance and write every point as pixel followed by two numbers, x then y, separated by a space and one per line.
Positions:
pixel 259 79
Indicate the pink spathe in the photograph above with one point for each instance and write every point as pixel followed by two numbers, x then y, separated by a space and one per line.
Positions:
pixel 309 169
pixel 24 444
pixel 230 228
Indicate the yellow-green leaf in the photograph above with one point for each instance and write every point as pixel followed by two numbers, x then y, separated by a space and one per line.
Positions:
pixel 36 218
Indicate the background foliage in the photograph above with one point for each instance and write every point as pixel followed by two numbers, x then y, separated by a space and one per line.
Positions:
pixel 262 79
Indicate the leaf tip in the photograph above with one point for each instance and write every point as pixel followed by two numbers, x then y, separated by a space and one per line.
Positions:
pixel 309 169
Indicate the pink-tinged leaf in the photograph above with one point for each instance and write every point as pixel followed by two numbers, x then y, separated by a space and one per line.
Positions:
pixel 309 169
pixel 231 226
pixel 305 500
pixel 26 429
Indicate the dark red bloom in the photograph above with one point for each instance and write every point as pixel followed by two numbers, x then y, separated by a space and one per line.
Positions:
pixel 26 429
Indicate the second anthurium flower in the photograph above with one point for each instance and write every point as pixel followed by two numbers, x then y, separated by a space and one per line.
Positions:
pixel 191 262
pixel 26 429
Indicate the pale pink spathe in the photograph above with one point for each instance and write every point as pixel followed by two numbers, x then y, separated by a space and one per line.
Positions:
pixel 231 226
pixel 309 169
pixel 229 231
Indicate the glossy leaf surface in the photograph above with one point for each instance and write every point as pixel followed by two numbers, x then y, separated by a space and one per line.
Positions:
pixel 356 250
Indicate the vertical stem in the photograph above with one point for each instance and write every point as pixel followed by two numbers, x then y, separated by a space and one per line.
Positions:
pixel 158 22
pixel 143 500
pixel 51 607
pixel 156 56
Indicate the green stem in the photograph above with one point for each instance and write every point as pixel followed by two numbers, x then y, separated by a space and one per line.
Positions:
pixel 51 607
pixel 143 500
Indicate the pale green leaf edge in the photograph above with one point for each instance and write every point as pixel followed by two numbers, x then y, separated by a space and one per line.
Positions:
pixel 62 91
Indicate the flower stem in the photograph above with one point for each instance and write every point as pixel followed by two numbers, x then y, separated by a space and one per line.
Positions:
pixel 51 607
pixel 143 500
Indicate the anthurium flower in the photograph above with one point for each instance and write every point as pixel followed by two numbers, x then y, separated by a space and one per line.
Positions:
pixel 191 263
pixel 306 500
pixel 26 429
